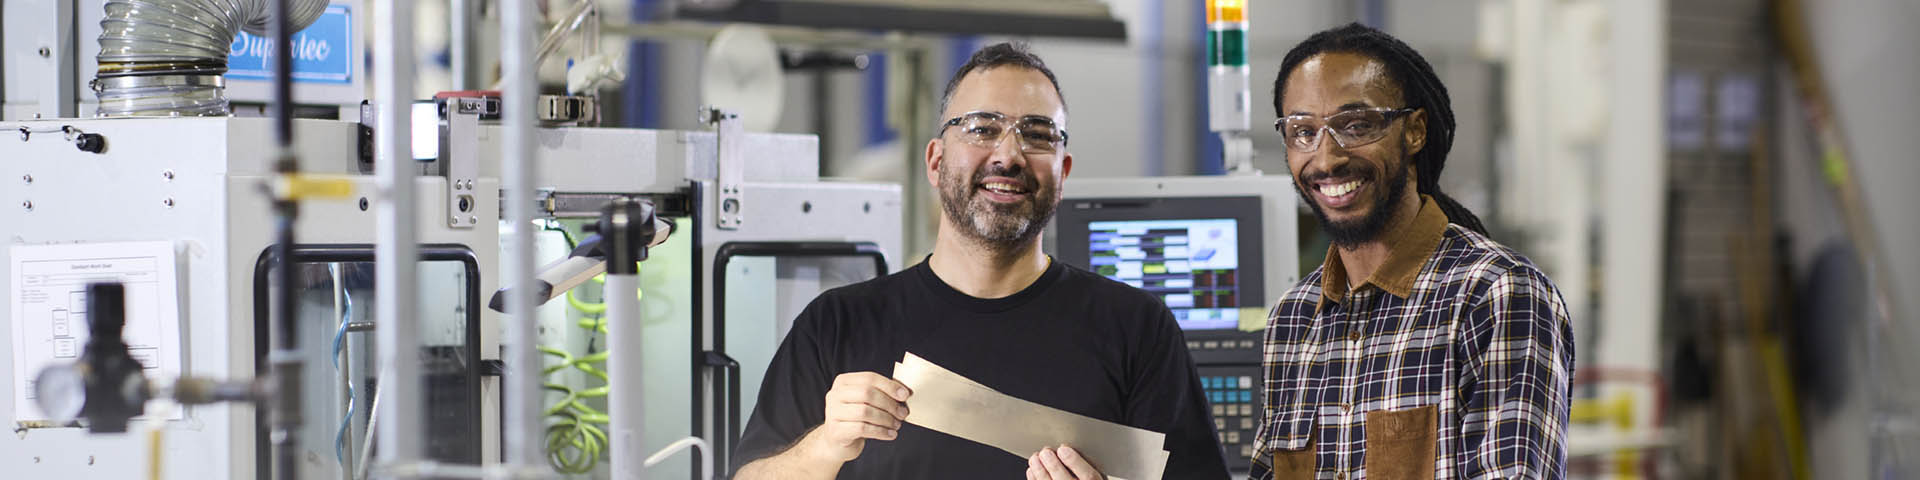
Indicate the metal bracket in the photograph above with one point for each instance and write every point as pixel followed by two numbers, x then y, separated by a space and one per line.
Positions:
pixel 567 110
pixel 727 133
pixel 558 204
pixel 460 155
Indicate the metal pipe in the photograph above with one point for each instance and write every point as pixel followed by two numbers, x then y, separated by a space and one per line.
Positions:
pixel 366 444
pixel 625 394
pixel 522 429
pixel 787 36
pixel 287 363
pixel 285 357
pixel 281 32
pixel 702 450
pixel 395 250
pixel 461 20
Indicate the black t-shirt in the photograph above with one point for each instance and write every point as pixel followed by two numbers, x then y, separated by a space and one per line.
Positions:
pixel 1073 341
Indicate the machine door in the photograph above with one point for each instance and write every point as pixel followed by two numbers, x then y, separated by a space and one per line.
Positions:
pixel 759 287
pixel 335 287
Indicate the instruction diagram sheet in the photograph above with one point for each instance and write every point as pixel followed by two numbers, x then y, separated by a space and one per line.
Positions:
pixel 49 314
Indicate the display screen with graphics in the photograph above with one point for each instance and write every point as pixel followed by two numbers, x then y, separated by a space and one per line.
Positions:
pixel 1200 255
pixel 1193 265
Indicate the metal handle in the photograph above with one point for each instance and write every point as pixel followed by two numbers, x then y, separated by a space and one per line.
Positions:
pixel 729 425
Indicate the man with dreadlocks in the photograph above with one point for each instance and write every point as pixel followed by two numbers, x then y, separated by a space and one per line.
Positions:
pixel 1421 348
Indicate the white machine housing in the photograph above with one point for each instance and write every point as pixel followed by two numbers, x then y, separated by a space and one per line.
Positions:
pixel 197 183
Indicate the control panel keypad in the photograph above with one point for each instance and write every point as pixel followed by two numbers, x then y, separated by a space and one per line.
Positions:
pixel 1235 404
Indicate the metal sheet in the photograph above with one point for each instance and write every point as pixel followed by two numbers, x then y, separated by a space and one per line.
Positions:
pixel 946 402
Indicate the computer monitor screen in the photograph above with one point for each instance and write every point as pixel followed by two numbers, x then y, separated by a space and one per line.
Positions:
pixel 1200 255
pixel 1193 265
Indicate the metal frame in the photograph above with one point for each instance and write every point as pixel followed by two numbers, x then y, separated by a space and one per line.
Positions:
pixel 397 235
pixel 522 428
pixel 717 360
pixel 304 253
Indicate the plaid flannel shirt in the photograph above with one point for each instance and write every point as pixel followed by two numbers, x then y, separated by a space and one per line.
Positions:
pixel 1451 321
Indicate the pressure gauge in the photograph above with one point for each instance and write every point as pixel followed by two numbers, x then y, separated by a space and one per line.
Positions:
pixel 61 390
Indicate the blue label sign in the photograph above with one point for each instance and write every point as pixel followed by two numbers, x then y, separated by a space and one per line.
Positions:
pixel 322 53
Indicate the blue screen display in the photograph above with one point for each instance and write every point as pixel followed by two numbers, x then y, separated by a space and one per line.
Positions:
pixel 1192 264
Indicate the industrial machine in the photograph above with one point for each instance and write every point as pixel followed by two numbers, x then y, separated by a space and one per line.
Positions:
pixel 153 186
pixel 1219 250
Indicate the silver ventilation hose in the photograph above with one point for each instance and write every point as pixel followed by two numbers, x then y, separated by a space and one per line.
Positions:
pixel 166 57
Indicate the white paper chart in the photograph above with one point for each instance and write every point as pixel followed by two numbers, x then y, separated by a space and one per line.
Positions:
pixel 49 314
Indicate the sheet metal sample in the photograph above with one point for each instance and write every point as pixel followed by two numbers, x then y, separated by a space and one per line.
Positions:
pixel 953 404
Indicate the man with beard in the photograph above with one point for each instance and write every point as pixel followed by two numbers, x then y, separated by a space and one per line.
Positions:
pixel 988 305
pixel 1421 348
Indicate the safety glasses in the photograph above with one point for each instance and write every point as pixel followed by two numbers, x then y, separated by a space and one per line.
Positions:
pixel 1352 128
pixel 1037 134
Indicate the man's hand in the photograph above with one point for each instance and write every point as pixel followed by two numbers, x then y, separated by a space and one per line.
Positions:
pixel 860 406
pixel 1062 464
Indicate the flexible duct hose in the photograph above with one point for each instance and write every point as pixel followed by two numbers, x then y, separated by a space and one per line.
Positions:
pixel 166 57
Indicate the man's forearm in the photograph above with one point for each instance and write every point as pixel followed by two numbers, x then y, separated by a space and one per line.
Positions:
pixel 792 463
pixel 784 466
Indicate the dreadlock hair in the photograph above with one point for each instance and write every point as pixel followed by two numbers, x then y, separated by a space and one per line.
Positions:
pixel 1419 88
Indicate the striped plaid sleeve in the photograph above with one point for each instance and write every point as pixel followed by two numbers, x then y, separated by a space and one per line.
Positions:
pixel 1287 323
pixel 1521 359
pixel 1260 471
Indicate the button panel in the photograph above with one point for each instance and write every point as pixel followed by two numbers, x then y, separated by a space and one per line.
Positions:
pixel 1228 362
pixel 1233 396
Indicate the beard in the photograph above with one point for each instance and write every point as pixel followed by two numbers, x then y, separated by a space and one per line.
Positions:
pixel 1370 225
pixel 996 226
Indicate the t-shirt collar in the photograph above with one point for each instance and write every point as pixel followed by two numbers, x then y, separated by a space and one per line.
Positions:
pixel 953 296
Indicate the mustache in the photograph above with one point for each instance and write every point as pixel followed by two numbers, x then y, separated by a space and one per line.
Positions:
pixel 1344 170
pixel 1021 175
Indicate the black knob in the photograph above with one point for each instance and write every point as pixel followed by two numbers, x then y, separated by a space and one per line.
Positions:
pixel 91 142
